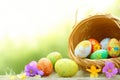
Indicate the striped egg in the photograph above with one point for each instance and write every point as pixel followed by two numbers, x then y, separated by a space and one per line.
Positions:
pixel 99 54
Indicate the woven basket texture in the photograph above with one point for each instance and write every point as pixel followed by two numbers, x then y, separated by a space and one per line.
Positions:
pixel 97 27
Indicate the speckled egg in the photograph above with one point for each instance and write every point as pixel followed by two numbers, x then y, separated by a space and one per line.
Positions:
pixel 95 44
pixel 104 43
pixel 54 56
pixel 83 49
pixel 99 54
pixel 45 65
pixel 113 48
pixel 66 67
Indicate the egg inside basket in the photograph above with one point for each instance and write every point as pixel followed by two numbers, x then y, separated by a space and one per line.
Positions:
pixel 97 27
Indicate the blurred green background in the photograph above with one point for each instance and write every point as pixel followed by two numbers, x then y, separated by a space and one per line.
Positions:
pixel 41 27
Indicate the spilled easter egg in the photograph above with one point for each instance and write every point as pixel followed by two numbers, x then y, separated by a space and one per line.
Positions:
pixel 104 43
pixel 99 54
pixel 113 48
pixel 95 44
pixel 54 56
pixel 83 49
pixel 45 65
pixel 66 67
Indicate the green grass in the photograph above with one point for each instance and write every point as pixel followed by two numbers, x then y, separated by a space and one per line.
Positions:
pixel 16 54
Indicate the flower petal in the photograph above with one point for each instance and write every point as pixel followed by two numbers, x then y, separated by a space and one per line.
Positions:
pixel 93 68
pixel 118 71
pixel 105 68
pixel 96 75
pixel 33 63
pixel 92 75
pixel 27 74
pixel 108 75
pixel 32 75
pixel 109 64
pixel 89 70
pixel 41 73
pixel 109 69
pixel 27 68
pixel 98 70
pixel 31 69
pixel 115 71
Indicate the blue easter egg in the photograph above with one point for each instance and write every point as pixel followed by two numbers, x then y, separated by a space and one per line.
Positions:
pixel 104 43
pixel 83 49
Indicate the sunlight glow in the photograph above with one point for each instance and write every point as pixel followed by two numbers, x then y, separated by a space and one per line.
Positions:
pixel 27 17
pixel 101 5
pixel 86 7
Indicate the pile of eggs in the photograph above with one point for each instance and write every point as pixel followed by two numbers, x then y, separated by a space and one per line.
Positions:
pixel 46 64
pixel 54 61
pixel 92 49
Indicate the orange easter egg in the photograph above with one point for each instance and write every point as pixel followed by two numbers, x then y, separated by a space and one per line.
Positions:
pixel 45 65
pixel 95 44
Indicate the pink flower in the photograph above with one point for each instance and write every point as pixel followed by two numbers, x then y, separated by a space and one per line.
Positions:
pixel 109 69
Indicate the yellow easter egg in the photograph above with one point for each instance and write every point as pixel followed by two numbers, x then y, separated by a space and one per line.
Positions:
pixel 113 48
pixel 66 67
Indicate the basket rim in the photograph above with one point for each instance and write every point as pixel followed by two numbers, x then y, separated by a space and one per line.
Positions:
pixel 107 16
pixel 70 45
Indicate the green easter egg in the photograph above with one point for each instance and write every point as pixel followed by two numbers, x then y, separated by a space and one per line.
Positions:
pixel 66 67
pixel 99 54
pixel 54 56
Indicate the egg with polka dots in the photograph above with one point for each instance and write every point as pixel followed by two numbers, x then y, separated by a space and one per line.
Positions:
pixel 113 48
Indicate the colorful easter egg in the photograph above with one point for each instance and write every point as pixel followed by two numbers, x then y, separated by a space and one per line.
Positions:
pixel 54 56
pixel 66 67
pixel 95 44
pixel 45 65
pixel 83 49
pixel 113 48
pixel 104 43
pixel 99 54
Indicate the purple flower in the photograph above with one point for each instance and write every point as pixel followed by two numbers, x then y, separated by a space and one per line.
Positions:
pixel 32 70
pixel 118 70
pixel 109 69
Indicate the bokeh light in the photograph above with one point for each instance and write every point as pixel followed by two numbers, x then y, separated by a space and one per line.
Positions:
pixel 31 29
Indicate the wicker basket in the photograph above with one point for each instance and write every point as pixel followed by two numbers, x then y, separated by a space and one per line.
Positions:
pixel 97 27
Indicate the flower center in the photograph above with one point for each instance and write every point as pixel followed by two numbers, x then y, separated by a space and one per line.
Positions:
pixel 109 70
pixel 31 71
